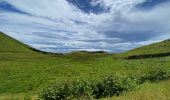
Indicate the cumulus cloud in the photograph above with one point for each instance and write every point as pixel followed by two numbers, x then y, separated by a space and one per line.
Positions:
pixel 59 26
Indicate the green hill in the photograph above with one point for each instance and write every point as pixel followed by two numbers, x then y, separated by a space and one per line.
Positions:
pixel 159 49
pixel 26 71
pixel 9 44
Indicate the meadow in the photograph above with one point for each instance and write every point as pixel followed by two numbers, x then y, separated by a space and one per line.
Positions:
pixel 24 71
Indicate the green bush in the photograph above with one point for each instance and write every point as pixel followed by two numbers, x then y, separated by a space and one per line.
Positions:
pixel 113 85
pixel 154 74
pixel 67 91
pixel 55 92
pixel 27 97
pixel 106 87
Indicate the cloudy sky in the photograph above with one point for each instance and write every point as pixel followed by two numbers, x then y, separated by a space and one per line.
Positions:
pixel 93 25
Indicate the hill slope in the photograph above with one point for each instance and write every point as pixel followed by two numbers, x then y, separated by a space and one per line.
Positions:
pixel 9 44
pixel 154 50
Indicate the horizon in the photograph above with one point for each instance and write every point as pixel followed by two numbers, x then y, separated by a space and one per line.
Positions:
pixel 63 26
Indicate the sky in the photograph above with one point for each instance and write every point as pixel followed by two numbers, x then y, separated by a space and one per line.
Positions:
pixel 91 25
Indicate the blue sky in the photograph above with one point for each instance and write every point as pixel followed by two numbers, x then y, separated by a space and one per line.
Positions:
pixel 92 25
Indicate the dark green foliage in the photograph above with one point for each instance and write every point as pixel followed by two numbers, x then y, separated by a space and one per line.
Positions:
pixel 148 56
pixel 113 85
pixel 155 74
pixel 107 87
pixel 27 97
pixel 67 90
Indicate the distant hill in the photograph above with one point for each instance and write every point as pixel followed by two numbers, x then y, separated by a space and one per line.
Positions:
pixel 9 44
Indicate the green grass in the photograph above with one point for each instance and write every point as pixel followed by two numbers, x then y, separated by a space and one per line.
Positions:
pixel 147 91
pixel 24 70
pixel 19 96
pixel 9 44
pixel 155 48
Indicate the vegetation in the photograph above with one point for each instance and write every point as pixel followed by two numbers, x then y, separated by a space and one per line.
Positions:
pixel 24 70
pixel 107 87
pixel 155 48
pixel 146 91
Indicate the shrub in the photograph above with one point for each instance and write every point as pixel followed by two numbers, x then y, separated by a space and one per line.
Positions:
pixel 67 91
pixel 113 85
pixel 154 74
pixel 106 87
pixel 55 92
pixel 27 97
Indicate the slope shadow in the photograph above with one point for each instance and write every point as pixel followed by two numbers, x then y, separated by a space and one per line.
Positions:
pixel 148 56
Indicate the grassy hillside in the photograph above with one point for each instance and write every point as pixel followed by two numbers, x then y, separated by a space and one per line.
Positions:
pixel 9 44
pixel 155 48
pixel 23 70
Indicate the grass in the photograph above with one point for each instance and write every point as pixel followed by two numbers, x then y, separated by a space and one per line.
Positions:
pixel 25 73
pixel 105 87
pixel 24 70
pixel 19 96
pixel 147 91
pixel 9 44
pixel 155 48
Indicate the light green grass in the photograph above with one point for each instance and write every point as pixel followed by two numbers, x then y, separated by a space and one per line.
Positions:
pixel 19 96
pixel 24 73
pixel 147 91
pixel 155 48
pixel 8 44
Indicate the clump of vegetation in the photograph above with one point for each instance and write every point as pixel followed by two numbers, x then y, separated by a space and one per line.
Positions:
pixel 67 91
pixel 146 91
pixel 27 97
pixel 113 85
pixel 154 74
pixel 106 87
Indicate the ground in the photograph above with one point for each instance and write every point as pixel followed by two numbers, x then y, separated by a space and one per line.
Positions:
pixel 24 71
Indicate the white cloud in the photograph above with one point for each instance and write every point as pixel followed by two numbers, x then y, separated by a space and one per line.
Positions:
pixel 118 5
pixel 58 25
